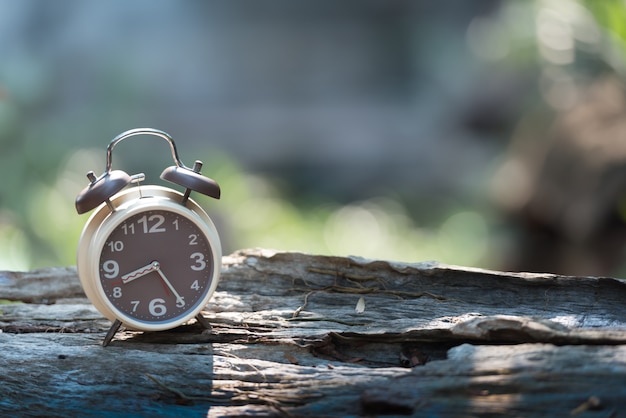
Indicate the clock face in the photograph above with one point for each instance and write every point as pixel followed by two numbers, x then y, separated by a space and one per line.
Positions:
pixel 156 266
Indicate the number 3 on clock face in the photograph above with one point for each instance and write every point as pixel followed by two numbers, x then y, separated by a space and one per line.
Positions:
pixel 156 264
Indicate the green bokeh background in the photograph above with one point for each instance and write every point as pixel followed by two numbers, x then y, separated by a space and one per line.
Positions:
pixel 61 104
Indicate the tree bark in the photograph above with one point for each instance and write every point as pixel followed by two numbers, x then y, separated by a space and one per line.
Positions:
pixel 302 335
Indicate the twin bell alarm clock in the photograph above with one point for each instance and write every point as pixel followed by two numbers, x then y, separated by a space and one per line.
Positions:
pixel 149 257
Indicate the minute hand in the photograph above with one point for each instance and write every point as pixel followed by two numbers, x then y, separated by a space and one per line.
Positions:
pixel 167 282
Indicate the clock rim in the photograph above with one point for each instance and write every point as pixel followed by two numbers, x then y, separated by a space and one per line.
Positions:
pixel 103 222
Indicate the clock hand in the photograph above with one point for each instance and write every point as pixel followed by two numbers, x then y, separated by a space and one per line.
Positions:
pixel 140 272
pixel 179 299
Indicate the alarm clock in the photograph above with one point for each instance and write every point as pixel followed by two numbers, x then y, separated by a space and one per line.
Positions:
pixel 149 257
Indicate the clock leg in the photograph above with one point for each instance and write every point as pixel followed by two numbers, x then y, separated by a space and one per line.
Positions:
pixel 203 321
pixel 111 333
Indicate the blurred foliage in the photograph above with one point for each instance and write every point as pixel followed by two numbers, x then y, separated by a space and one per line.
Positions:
pixel 610 14
pixel 44 163
pixel 378 227
pixel 251 213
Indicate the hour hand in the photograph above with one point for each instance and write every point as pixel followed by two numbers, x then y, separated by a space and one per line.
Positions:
pixel 140 272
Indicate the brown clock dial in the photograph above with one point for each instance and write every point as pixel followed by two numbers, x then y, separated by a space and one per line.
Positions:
pixel 156 266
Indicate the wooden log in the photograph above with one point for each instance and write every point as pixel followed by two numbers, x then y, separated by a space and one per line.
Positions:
pixel 301 335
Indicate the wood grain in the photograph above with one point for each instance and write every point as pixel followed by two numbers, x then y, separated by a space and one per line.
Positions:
pixel 287 339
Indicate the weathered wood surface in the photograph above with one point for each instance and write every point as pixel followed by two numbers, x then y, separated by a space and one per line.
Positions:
pixel 432 340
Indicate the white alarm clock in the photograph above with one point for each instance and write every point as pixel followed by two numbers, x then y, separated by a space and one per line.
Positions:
pixel 149 257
